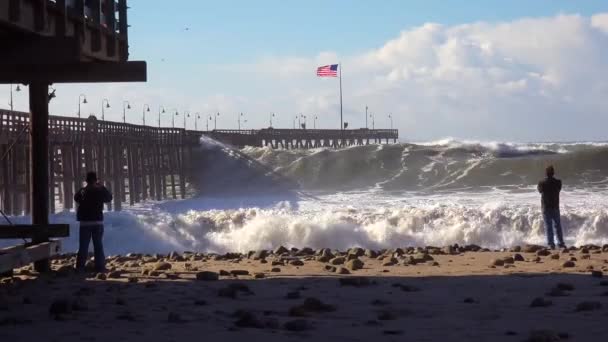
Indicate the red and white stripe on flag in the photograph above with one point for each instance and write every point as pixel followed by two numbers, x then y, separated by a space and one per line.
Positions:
pixel 328 71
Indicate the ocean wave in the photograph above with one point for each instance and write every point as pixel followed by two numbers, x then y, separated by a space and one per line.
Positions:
pixel 445 164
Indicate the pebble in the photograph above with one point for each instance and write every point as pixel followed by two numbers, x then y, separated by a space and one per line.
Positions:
pixel 311 305
pixel 355 281
pixel 497 262
pixel 247 319
pixel 337 261
pixel 588 306
pixel 207 276
pixel 597 274
pixel 174 317
pixel 59 308
pixel 162 266
pixel 543 252
pixel 280 250
pixel 569 264
pixel 259 276
pixel 114 275
pixel 275 269
pixel 540 302
pixel 298 325
pixel 330 268
pixel 543 336
pixel 293 295
pixel 259 255
pixel 342 270
pixel 508 260
pixel 296 263
pixel 386 316
pixel 406 288
pixel 354 264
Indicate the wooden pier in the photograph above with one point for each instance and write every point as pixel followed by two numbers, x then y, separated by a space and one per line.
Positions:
pixel 135 162
pixel 304 138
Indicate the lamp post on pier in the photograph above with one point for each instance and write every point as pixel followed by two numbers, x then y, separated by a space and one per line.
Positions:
pixel 314 124
pixel 215 123
pixel 18 89
pixel 143 115
pixel 186 114
pixel 271 116
pixel 239 120
pixel 105 103
pixel 209 118
pixel 373 117
pixel 173 118
pixel 390 116
pixel 124 110
pixel 366 108
pixel 161 110
pixel 294 121
pixel 83 98
pixel 303 117
pixel 196 117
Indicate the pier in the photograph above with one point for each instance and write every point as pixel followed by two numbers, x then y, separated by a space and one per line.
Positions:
pixel 304 138
pixel 135 162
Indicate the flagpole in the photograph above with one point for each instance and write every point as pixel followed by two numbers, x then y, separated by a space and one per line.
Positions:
pixel 341 118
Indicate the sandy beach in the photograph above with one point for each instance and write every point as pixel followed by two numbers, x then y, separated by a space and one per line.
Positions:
pixel 425 294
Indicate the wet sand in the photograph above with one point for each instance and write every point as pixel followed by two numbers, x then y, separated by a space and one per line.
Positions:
pixel 424 294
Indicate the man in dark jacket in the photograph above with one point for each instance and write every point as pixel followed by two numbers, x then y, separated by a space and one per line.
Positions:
pixel 550 188
pixel 90 201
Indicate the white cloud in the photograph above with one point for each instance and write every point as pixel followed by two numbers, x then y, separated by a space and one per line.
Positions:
pixel 528 79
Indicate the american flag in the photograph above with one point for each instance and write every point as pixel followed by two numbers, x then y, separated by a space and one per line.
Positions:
pixel 328 71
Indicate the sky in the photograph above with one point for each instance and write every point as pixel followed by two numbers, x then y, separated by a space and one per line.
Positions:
pixel 477 70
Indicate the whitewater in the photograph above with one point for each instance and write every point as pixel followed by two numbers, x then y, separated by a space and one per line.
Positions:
pixel 375 196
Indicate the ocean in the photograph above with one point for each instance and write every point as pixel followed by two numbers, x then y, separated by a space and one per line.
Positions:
pixel 375 196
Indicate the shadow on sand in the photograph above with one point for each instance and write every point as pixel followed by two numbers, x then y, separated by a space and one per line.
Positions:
pixel 464 308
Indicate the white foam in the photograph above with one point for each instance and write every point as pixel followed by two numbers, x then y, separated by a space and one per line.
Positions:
pixel 343 220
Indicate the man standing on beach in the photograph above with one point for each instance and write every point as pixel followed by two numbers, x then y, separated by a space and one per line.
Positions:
pixel 549 189
pixel 90 201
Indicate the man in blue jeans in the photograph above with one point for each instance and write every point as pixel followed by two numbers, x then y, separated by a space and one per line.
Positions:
pixel 549 189
pixel 90 201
